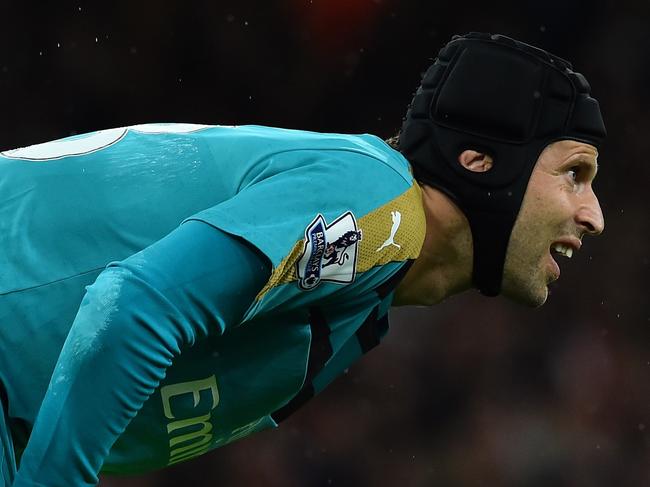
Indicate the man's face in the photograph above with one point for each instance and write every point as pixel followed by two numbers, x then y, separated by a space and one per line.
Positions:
pixel 558 209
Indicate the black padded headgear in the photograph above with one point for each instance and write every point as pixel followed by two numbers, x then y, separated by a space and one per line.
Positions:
pixel 504 98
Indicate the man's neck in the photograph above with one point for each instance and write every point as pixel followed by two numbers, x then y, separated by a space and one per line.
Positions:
pixel 444 266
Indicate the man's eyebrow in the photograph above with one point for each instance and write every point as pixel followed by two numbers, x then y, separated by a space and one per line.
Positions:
pixel 587 161
pixel 593 164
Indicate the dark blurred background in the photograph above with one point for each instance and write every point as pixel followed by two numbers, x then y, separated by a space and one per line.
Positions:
pixel 472 392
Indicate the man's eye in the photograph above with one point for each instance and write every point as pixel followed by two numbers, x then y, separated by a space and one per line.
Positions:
pixel 574 172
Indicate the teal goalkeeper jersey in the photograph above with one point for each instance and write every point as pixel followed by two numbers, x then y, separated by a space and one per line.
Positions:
pixel 339 218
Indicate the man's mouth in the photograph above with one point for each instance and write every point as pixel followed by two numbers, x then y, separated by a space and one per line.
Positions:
pixel 562 249
pixel 565 248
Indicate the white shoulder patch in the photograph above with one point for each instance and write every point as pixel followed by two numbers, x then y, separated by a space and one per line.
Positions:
pixel 330 252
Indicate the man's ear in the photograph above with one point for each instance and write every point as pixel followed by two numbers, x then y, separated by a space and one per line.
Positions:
pixel 475 161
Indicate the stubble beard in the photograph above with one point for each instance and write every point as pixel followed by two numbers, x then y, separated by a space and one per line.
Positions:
pixel 524 276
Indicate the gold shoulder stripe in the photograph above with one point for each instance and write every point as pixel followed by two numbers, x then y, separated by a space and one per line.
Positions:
pixel 286 271
pixel 391 233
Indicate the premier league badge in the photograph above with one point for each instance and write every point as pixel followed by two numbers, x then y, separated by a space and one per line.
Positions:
pixel 330 252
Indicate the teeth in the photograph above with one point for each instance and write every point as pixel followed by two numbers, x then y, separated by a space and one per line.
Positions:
pixel 564 250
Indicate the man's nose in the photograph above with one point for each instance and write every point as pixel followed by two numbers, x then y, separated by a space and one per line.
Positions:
pixel 590 215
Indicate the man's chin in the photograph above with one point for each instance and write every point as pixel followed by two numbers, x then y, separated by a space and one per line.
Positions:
pixel 541 299
pixel 527 295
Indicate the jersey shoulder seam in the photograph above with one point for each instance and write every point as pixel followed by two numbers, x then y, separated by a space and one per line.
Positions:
pixel 36 286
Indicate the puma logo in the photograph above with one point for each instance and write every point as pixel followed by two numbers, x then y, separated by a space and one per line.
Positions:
pixel 397 219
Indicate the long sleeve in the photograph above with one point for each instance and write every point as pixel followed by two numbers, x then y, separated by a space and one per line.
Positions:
pixel 132 322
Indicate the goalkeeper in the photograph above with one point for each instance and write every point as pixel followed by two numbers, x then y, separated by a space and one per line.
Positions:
pixel 166 289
